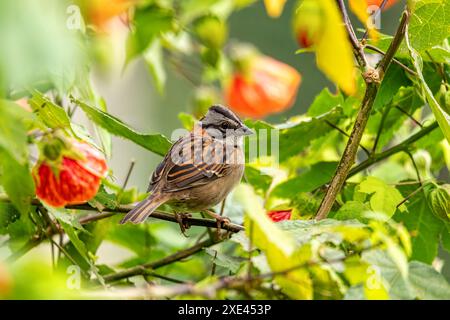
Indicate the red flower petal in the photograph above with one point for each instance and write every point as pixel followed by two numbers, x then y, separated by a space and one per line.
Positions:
pixel 279 215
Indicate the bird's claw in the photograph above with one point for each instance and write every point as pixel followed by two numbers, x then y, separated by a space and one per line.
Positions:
pixel 183 222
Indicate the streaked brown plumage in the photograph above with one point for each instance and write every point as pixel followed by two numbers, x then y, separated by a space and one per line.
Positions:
pixel 200 169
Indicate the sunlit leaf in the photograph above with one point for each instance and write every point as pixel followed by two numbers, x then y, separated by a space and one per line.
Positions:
pixel 430 23
pixel 442 117
pixel 278 246
pixel 333 50
pixel 384 198
pixel 360 9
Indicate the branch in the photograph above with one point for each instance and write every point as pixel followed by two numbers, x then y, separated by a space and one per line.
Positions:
pixel 209 223
pixel 209 291
pixel 372 78
pixel 395 44
pixel 39 237
pixel 398 148
pixel 143 269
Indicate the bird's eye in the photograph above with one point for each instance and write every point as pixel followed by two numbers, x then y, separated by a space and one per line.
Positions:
pixel 223 126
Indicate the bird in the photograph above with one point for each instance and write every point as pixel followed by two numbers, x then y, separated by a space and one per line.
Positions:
pixel 200 169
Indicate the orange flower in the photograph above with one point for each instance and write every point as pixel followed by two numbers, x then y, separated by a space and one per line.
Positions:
pixel 280 215
pixel 378 3
pixel 68 174
pixel 263 87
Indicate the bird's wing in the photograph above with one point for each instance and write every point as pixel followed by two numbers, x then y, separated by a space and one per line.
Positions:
pixel 192 161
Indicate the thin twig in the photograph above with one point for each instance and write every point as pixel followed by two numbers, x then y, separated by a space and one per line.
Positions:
pixel 409 116
pixel 347 135
pixel 409 196
pixel 228 282
pixel 378 50
pixel 395 44
pixel 127 177
pixel 415 166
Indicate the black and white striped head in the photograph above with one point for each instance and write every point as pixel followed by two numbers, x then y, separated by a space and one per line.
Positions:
pixel 220 121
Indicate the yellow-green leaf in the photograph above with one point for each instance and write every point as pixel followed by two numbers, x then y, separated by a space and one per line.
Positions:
pixel 334 54
pixel 359 8
pixel 385 198
pixel 442 117
pixel 279 246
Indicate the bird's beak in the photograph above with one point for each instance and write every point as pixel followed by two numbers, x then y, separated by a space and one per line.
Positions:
pixel 246 131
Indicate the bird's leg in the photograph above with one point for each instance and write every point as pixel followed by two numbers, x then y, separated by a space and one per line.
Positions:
pixel 181 219
pixel 220 220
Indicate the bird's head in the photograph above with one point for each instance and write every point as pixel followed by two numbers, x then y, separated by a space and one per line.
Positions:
pixel 221 122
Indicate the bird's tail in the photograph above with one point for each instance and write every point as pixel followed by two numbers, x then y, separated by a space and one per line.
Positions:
pixel 144 209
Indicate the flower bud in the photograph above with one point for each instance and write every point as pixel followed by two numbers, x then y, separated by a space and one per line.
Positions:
pixel 439 200
pixel 211 31
pixel 307 23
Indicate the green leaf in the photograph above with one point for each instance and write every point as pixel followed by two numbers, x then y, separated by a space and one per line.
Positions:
pixel 20 232
pixel 66 216
pixel 351 210
pixel 445 238
pixel 319 174
pixel 394 79
pixel 8 215
pixel 17 182
pixel 295 138
pixel 153 56
pixel 73 236
pixel 136 238
pixel 430 23
pixel 52 115
pixel 103 200
pixel 384 198
pixel 156 143
pixel 13 135
pixel 324 102
pixel 187 120
pixel 260 181
pixel 223 260
pixel 424 227
pixel 442 117
pixel 149 23
pixel 383 266
pixel 427 283
pixel 423 281
pixel 279 247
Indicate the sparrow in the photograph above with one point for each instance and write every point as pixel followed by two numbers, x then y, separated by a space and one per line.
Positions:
pixel 199 170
